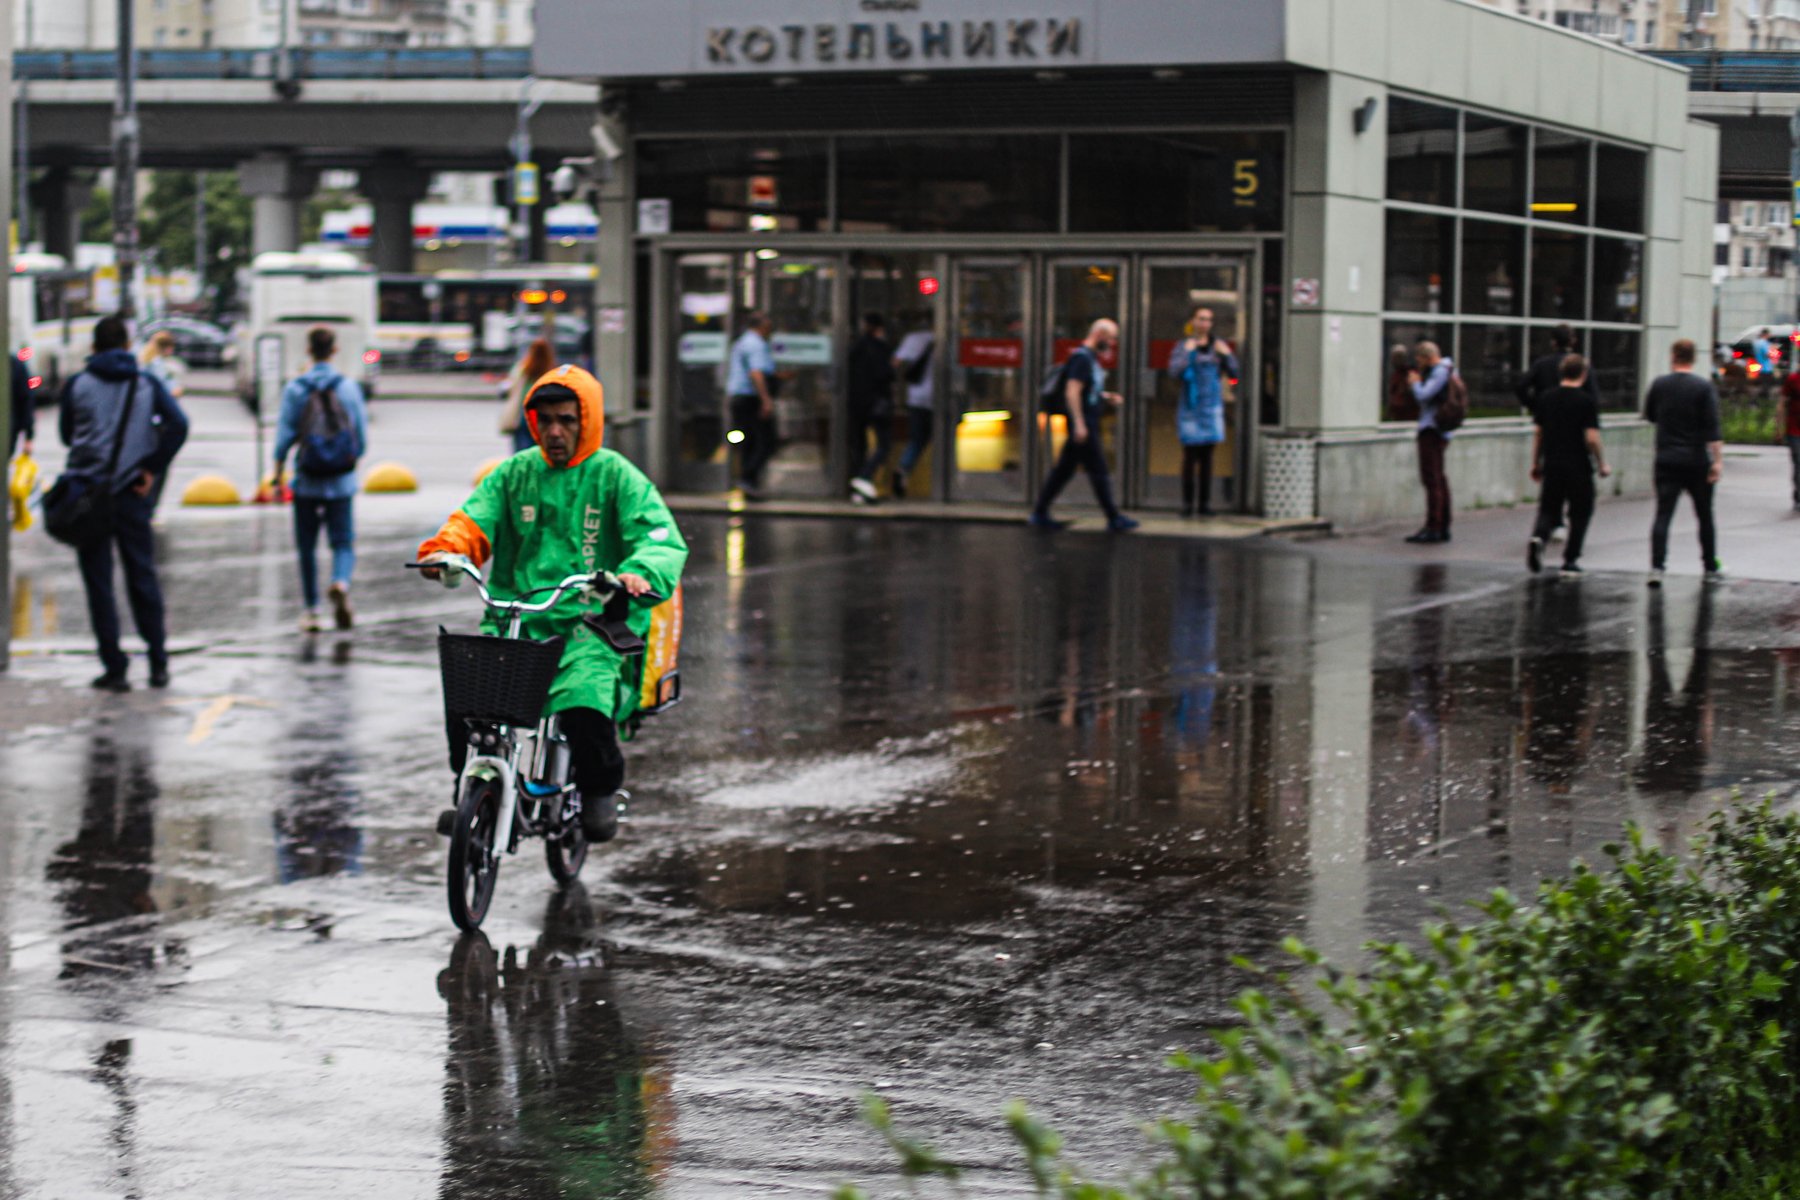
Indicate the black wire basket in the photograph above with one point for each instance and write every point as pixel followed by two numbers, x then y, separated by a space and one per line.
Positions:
pixel 504 680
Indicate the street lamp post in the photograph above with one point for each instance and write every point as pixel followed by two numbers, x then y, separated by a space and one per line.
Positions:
pixel 125 160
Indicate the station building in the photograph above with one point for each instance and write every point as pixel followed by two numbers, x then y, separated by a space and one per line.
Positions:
pixel 1331 177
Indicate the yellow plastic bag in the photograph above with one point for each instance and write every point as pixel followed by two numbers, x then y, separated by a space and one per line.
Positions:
pixel 20 488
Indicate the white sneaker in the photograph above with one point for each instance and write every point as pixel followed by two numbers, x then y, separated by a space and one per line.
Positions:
pixel 1654 579
pixel 1716 575
pixel 311 621
pixel 1559 534
pixel 865 488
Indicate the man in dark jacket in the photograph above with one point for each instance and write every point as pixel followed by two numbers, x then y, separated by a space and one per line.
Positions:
pixel 24 421
pixel 94 402
pixel 1545 373
pixel 871 395
pixel 1690 454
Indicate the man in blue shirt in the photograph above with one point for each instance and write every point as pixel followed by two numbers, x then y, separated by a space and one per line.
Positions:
pixel 750 384
pixel 1085 398
pixel 322 493
pixel 1429 382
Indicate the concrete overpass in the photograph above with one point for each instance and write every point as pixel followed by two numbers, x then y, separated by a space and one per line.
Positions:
pixel 381 113
pixel 1750 96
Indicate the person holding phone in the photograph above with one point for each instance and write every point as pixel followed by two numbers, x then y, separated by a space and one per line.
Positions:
pixel 1202 364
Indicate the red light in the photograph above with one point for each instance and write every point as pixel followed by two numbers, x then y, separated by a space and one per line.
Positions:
pixel 557 297
pixel 25 354
pixel 1737 354
pixel 928 286
pixel 34 383
pixel 18 268
pixel 371 356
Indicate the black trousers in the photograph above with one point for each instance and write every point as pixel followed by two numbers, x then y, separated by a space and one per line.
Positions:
pixel 1571 488
pixel 863 422
pixel 594 753
pixel 137 554
pixel 1671 482
pixel 1196 477
pixel 1089 456
pixel 1432 445
pixel 758 446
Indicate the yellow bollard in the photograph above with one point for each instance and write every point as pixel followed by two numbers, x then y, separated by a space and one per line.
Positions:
pixel 390 477
pixel 211 491
pixel 486 469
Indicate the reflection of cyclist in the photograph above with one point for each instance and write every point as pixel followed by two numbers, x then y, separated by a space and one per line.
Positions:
pixel 567 505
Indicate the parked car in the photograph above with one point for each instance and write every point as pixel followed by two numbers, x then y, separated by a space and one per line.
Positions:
pixel 197 343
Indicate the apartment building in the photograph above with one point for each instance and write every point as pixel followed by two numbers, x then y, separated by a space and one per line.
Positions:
pixel 1671 24
pixel 209 24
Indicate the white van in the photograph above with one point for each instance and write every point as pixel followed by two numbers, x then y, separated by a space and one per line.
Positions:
pixel 50 317
pixel 292 293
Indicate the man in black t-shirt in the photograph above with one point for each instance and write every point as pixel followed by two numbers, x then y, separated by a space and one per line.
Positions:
pixel 1690 451
pixel 1565 448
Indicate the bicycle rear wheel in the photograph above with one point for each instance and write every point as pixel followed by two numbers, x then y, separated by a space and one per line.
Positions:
pixel 566 845
pixel 475 854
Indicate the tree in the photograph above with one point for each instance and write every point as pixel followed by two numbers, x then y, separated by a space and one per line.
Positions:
pixel 167 226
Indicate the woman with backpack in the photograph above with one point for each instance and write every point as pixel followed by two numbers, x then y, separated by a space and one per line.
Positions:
pixel 325 422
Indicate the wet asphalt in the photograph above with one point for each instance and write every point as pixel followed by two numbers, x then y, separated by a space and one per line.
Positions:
pixel 954 813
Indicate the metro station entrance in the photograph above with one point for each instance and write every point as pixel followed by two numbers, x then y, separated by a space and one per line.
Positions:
pixel 990 327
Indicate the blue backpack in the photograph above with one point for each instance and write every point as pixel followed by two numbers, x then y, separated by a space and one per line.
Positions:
pixel 327 439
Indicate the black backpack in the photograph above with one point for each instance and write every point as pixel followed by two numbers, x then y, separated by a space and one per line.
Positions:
pixel 327 439
pixel 915 370
pixel 1053 400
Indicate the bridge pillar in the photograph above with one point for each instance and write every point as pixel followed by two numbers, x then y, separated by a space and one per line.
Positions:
pixel 59 196
pixel 392 188
pixel 277 186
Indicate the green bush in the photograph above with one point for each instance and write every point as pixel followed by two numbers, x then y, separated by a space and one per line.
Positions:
pixel 1629 1035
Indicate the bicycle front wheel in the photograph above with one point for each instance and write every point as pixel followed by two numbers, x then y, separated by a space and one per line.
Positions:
pixel 475 854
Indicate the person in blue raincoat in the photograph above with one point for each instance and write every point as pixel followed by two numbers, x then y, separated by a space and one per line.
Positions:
pixel 1203 365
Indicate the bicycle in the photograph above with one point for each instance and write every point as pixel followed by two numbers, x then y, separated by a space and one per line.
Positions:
pixel 515 782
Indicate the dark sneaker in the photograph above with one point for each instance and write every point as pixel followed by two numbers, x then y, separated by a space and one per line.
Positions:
pixel 159 676
pixel 1655 578
pixel 1424 537
pixel 899 486
pixel 111 682
pixel 1122 524
pixel 339 595
pixel 1049 524
pixel 600 817
pixel 1534 555
pixel 1571 571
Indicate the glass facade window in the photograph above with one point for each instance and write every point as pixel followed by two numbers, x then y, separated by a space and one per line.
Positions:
pixel 1493 273
pixel 917 184
pixel 1618 280
pixel 1402 337
pixel 1176 182
pixel 1559 177
pixel 1494 165
pixel 1558 275
pixel 1488 357
pixel 738 185
pixel 1421 257
pixel 1421 166
pixel 1614 354
pixel 1619 188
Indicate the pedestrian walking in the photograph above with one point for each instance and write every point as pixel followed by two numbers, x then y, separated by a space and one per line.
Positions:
pixel 751 385
pixel 1787 426
pixel 1565 451
pixel 913 361
pixel 325 423
pixel 114 415
pixel 538 359
pixel 1079 390
pixel 1202 364
pixel 157 358
pixel 1684 407
pixel 1761 350
pixel 1431 382
pixel 870 387
pixel 1400 403
pixel 1544 375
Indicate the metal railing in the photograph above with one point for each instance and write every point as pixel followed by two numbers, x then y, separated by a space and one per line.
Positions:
pixel 506 62
pixel 1737 70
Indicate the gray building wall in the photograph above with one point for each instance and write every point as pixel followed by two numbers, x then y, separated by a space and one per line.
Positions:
pixel 1462 54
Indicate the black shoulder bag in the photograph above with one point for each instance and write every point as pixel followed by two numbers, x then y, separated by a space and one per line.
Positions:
pixel 78 510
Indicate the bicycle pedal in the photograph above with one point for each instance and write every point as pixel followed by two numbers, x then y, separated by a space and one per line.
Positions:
pixel 446 824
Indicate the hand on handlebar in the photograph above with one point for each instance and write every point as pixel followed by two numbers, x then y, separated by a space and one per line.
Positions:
pixel 634 585
pixel 450 575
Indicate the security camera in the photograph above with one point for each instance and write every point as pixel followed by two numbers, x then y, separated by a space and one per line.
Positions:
pixel 565 181
pixel 606 143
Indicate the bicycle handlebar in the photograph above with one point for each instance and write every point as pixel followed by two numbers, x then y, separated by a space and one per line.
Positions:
pixel 606 582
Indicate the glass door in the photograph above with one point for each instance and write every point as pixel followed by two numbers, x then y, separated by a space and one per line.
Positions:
pixel 800 294
pixel 987 402
pixel 905 289
pixel 1082 291
pixel 1174 293
pixel 702 341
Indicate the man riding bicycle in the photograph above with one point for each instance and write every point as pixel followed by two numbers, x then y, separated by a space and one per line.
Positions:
pixel 569 506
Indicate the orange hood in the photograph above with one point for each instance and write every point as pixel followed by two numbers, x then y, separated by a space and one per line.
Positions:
pixel 593 409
